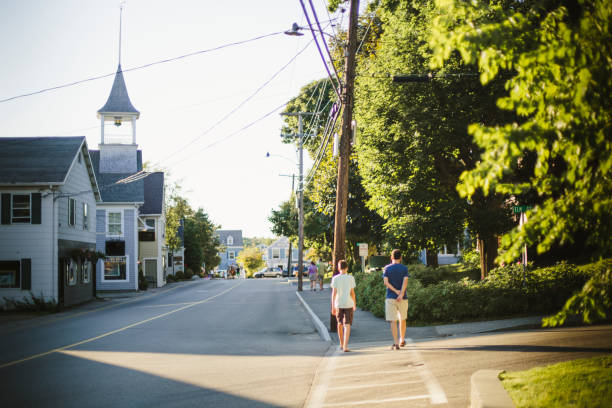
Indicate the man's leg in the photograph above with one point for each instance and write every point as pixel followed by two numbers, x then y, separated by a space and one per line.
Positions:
pixel 394 331
pixel 402 331
pixel 347 334
pixel 341 334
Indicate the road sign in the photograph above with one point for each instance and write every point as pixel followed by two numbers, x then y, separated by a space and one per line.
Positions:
pixel 363 249
pixel 521 208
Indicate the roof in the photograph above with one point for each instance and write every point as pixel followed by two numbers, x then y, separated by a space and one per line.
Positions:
pixel 118 193
pixel 282 242
pixel 39 160
pixel 118 101
pixel 236 234
pixel 153 194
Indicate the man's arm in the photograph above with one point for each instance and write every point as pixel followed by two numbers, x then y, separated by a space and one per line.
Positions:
pixel 333 307
pixel 400 295
pixel 390 286
pixel 354 298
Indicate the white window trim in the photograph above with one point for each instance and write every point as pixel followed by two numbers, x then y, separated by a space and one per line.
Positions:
pixel 127 270
pixel 233 257
pixel 230 240
pixel 122 235
pixel 72 223
pixel 86 219
pixel 11 210
pixel 279 253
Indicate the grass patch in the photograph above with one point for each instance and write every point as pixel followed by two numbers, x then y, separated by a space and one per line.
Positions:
pixel 577 383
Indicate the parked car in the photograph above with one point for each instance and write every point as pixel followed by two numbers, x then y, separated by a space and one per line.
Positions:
pixel 304 270
pixel 268 273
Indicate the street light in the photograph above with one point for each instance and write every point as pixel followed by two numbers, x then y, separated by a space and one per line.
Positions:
pixel 282 157
pixel 295 31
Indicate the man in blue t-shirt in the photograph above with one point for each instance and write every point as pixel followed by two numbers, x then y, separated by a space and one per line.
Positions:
pixel 395 277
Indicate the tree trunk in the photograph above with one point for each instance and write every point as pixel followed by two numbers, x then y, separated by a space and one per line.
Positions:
pixel 289 271
pixel 488 252
pixel 431 257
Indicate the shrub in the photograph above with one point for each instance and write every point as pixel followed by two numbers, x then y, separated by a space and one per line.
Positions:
pixel 188 274
pixel 169 278
pixel 32 304
pixel 180 275
pixel 502 293
pixel 143 284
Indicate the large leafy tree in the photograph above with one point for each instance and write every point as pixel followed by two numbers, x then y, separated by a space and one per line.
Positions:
pixel 252 259
pixel 559 53
pixel 201 244
pixel 414 142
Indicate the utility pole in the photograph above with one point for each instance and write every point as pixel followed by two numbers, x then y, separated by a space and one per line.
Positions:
pixel 345 141
pixel 300 136
pixel 290 246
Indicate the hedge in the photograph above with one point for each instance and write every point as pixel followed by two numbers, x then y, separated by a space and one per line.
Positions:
pixel 503 293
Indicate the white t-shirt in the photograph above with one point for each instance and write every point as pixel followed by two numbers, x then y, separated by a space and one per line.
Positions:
pixel 343 283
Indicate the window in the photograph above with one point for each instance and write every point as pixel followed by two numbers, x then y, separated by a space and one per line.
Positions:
pixel 72 272
pixel 150 223
pixel 275 253
pixel 231 255
pixel 115 268
pixel 87 269
pixel 71 212
pixel 9 274
pixel 149 233
pixel 114 248
pixel 85 216
pixel 230 240
pixel 114 223
pixel 21 208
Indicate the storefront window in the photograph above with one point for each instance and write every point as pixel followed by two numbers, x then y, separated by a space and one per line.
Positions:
pixel 87 269
pixel 115 268
pixel 9 274
pixel 72 272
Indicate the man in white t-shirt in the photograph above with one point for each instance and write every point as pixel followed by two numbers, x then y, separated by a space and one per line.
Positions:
pixel 343 303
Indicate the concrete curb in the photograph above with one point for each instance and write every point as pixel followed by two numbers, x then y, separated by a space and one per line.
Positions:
pixel 488 391
pixel 315 319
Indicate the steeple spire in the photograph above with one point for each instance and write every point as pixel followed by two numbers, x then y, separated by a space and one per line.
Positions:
pixel 120 21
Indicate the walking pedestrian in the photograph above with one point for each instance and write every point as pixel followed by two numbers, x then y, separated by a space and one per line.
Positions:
pixel 321 271
pixel 395 277
pixel 343 303
pixel 312 276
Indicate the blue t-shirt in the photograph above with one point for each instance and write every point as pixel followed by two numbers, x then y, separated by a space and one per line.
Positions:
pixel 396 274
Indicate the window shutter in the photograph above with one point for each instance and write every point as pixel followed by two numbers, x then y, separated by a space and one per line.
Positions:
pixel 6 208
pixel 36 208
pixel 26 274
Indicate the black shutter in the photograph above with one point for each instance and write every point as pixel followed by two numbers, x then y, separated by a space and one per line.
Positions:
pixel 26 274
pixel 6 208
pixel 36 208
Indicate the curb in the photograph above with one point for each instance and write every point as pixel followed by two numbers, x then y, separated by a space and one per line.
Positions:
pixel 317 322
pixel 487 390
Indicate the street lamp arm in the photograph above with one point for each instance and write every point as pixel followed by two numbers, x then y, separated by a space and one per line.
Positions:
pixel 282 157
pixel 295 31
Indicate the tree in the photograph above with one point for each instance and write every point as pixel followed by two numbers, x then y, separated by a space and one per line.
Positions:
pixel 413 141
pixel 252 259
pixel 559 55
pixel 201 244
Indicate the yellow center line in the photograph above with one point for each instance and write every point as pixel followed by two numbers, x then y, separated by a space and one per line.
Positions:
pixel 46 353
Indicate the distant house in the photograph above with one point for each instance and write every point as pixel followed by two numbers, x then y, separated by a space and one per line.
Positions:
pixel 278 254
pixel 231 240
pixel 152 230
pixel 48 227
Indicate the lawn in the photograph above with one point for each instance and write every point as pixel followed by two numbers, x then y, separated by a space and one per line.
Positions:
pixel 577 383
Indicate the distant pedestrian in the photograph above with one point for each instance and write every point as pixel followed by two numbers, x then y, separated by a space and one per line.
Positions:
pixel 312 276
pixel 343 303
pixel 321 271
pixel 395 277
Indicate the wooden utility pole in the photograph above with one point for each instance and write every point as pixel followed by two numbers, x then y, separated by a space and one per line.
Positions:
pixel 345 140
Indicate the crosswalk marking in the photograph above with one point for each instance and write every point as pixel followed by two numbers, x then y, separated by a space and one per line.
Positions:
pixel 352 379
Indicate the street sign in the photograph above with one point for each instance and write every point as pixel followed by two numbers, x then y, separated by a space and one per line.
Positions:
pixel 521 208
pixel 363 249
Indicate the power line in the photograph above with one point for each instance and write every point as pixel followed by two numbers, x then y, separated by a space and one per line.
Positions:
pixel 191 54
pixel 241 104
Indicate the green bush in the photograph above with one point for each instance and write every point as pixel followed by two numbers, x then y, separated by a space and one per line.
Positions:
pixel 453 273
pixel 169 278
pixel 188 274
pixel 33 304
pixel 180 275
pixel 503 293
pixel 143 284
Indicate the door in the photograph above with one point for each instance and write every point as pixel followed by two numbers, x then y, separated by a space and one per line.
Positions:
pixel 151 270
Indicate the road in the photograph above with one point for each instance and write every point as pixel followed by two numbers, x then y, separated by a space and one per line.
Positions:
pixel 249 343
pixel 215 343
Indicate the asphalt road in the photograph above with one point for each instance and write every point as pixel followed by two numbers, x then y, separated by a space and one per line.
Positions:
pixel 215 343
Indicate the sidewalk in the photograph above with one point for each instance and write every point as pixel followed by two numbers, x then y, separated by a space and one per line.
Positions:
pixel 369 328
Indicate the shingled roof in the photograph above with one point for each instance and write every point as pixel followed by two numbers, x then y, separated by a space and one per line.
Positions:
pixel 118 193
pixel 236 234
pixel 39 160
pixel 153 194
pixel 118 100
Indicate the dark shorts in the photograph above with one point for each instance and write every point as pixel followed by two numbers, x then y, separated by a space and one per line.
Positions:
pixel 345 316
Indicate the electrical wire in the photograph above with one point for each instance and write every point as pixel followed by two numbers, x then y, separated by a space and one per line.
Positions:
pixel 191 54
pixel 240 105
pixel 331 59
pixel 314 36
pixel 365 35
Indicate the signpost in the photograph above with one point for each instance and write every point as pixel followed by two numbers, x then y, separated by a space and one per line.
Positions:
pixel 363 253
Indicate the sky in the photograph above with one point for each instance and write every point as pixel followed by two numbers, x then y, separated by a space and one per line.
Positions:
pixel 183 104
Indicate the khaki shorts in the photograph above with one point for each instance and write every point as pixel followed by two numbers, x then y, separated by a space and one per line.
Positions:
pixel 395 310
